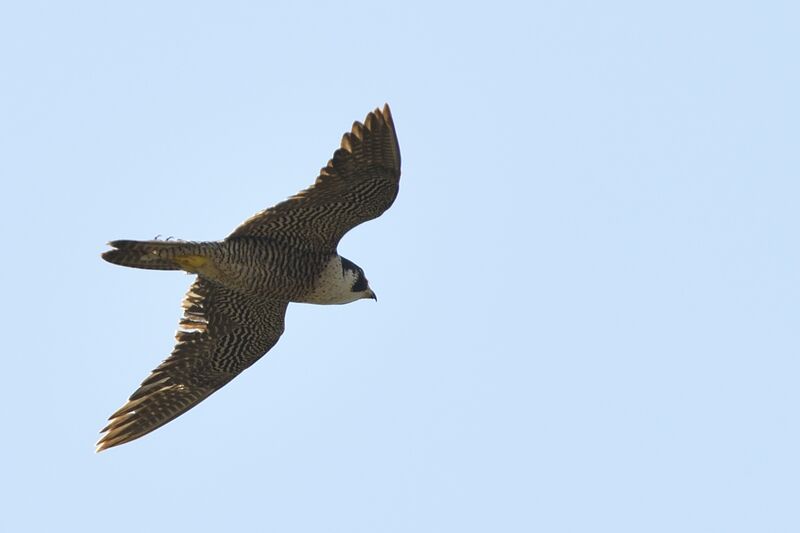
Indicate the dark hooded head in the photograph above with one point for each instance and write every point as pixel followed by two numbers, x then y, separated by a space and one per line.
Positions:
pixel 360 285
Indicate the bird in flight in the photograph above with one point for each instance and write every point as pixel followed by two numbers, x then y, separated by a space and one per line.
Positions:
pixel 234 311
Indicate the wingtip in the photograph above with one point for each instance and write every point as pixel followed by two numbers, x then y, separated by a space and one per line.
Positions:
pixel 102 444
pixel 381 115
pixel 105 441
pixel 113 436
pixel 385 114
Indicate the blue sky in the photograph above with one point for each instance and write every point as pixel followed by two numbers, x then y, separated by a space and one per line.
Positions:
pixel 588 283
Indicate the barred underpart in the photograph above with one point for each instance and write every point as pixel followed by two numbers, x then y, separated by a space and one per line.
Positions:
pixel 234 311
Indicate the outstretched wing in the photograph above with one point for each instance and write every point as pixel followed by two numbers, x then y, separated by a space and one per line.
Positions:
pixel 358 184
pixel 222 332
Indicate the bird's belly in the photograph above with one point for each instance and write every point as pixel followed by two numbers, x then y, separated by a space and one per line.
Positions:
pixel 274 272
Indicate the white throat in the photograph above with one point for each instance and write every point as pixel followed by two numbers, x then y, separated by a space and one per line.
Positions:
pixel 334 285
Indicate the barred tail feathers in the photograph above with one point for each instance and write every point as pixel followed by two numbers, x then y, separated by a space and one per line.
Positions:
pixel 153 255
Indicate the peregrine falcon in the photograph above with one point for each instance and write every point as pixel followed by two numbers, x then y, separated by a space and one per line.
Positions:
pixel 234 311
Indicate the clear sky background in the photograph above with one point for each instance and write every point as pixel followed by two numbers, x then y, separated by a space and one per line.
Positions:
pixel 589 283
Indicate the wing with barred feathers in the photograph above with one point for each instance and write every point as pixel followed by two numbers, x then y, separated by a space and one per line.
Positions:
pixel 222 332
pixel 357 185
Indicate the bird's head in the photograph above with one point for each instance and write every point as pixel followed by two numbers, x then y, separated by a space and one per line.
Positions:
pixel 359 285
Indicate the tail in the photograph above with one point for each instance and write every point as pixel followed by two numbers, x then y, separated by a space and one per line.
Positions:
pixel 153 255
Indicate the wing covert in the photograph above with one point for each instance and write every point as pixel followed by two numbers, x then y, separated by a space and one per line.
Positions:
pixel 358 184
pixel 222 332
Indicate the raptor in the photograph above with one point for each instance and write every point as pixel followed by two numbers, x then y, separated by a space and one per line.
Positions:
pixel 234 311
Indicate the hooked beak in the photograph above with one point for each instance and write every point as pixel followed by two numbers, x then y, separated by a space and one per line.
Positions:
pixel 373 295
